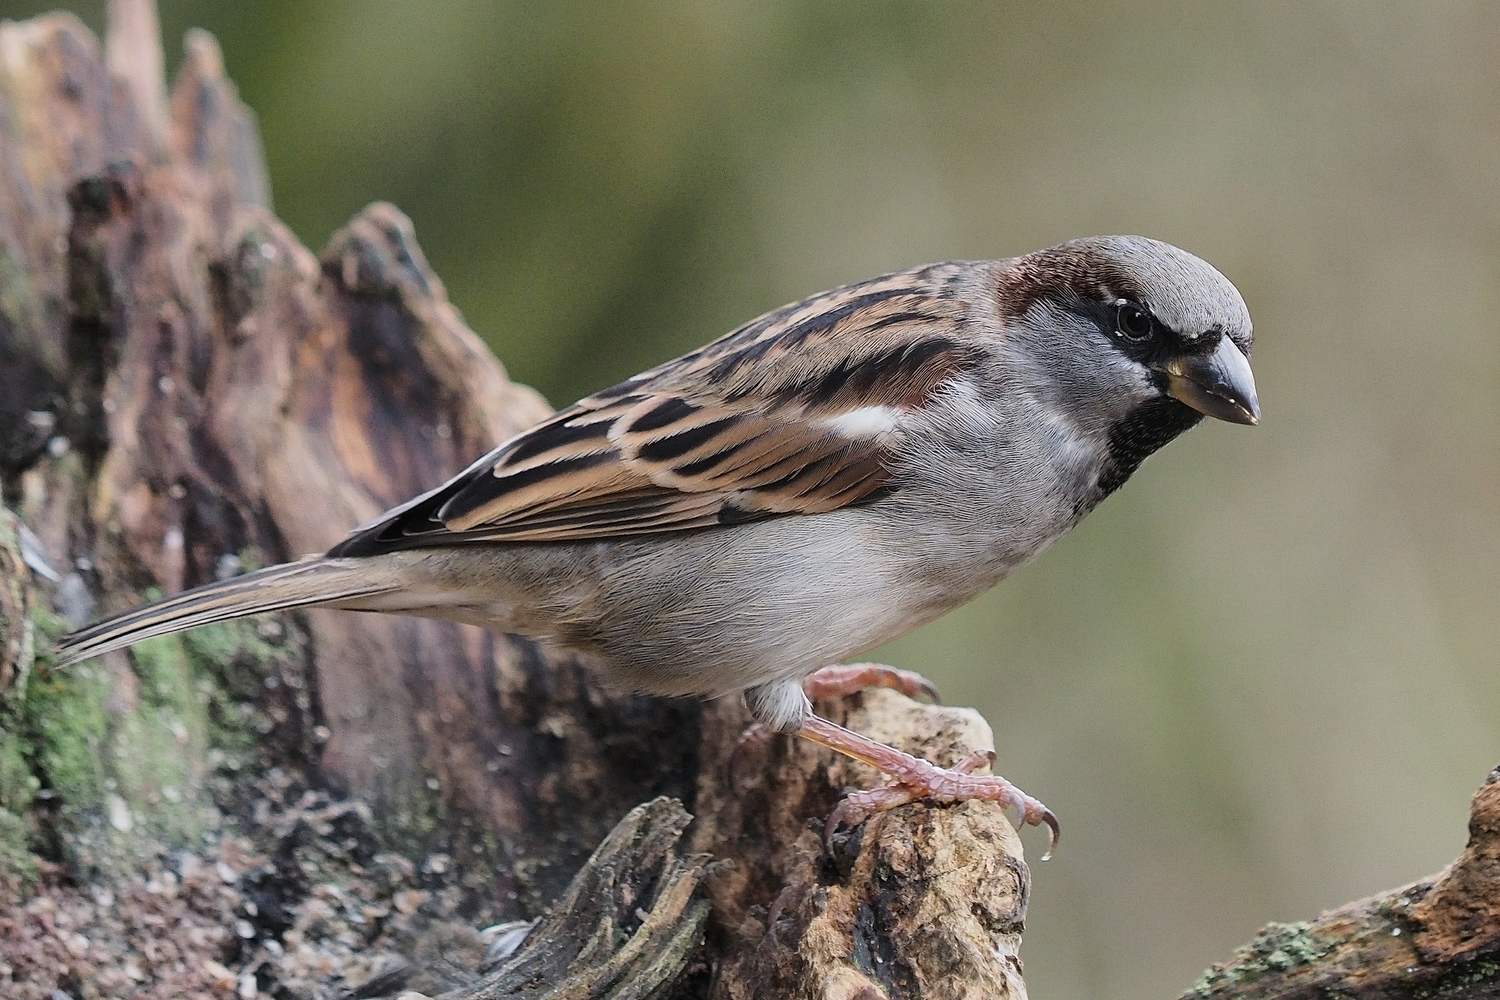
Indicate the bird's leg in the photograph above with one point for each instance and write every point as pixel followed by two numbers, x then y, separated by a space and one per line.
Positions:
pixel 846 678
pixel 916 778
pixel 837 681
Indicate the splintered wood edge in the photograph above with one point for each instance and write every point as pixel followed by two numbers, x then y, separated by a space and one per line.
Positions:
pixel 133 55
pixel 628 924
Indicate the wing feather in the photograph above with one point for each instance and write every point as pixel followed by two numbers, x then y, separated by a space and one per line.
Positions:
pixel 748 427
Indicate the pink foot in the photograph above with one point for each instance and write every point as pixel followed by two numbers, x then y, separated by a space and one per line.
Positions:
pixel 919 779
pixel 846 678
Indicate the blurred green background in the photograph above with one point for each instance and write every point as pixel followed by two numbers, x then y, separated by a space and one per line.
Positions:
pixel 1257 682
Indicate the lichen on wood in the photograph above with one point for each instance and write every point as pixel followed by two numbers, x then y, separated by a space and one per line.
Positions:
pixel 1439 937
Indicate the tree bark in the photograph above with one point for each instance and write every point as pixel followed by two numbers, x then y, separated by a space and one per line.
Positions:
pixel 311 802
pixel 1439 937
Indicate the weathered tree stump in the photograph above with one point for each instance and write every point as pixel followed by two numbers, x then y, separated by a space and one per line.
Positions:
pixel 309 802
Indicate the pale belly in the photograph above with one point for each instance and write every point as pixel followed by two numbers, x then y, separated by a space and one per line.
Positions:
pixel 772 601
pixel 717 611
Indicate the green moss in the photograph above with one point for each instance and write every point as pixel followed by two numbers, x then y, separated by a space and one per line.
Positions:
pixel 26 651
pixel 69 729
pixel 161 665
pixel 1285 946
pixel 18 788
pixel 1277 948
pixel 48 628
pixel 421 814
pixel 231 663
pixel 130 754
pixel 158 772
pixel 121 756
pixel 15 856
pixel 15 288
pixel 26 312
pixel 235 653
pixel 159 749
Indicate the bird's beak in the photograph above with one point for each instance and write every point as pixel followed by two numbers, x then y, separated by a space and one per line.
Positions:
pixel 1217 385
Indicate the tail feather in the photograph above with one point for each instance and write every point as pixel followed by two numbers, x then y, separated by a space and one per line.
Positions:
pixel 309 581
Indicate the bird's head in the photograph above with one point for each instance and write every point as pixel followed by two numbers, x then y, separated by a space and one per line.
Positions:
pixel 1129 339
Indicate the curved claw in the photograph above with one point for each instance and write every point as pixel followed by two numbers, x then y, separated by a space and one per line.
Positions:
pixel 916 778
pixel 834 819
pixel 1050 819
pixel 975 760
pixel 1034 813
pixel 913 684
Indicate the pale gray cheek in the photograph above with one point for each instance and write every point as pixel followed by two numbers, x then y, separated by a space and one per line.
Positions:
pixel 1069 366
pixel 1101 388
pixel 1131 381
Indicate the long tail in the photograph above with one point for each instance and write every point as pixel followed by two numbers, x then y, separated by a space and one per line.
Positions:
pixel 313 580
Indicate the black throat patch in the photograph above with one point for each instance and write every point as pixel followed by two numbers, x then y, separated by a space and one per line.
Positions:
pixel 1137 435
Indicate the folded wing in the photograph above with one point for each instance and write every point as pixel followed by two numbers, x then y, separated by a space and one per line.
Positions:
pixel 794 413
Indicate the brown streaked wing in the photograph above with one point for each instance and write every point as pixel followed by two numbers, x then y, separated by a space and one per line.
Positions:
pixel 741 429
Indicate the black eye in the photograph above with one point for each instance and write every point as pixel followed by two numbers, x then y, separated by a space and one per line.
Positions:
pixel 1134 323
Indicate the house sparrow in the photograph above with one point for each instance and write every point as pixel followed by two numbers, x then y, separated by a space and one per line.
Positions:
pixel 821 480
